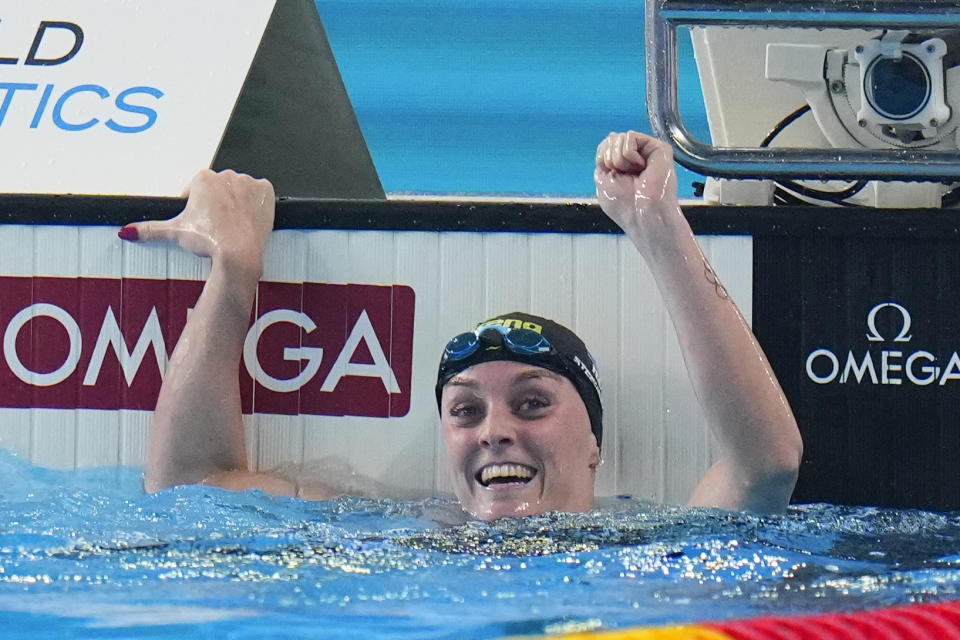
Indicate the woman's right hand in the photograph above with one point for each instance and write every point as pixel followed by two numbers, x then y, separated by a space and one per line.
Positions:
pixel 228 217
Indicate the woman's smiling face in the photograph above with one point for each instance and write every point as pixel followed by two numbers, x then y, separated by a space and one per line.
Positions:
pixel 518 441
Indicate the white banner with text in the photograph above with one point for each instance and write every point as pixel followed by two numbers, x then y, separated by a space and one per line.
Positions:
pixel 119 96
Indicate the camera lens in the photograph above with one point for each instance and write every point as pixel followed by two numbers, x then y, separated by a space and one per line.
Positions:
pixel 897 89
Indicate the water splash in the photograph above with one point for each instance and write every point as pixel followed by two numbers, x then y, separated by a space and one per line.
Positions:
pixel 81 551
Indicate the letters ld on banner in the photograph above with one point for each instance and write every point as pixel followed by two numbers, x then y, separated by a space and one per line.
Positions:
pixel 119 97
pixel 99 343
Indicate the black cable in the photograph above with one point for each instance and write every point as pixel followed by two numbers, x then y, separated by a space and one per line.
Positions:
pixel 783 124
pixel 784 197
pixel 835 197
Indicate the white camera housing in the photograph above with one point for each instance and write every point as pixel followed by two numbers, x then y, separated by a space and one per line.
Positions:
pixel 901 85
pixel 886 95
pixel 752 78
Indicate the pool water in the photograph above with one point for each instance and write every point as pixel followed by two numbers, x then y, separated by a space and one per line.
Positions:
pixel 89 555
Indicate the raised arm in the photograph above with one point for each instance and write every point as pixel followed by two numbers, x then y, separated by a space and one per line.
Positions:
pixel 197 431
pixel 747 412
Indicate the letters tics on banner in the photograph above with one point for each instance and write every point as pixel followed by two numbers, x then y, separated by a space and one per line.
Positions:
pixel 119 97
pixel 314 349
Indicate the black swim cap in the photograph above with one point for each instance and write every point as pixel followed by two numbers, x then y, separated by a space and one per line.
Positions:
pixel 563 353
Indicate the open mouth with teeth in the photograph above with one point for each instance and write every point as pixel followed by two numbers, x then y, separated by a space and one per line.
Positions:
pixel 496 474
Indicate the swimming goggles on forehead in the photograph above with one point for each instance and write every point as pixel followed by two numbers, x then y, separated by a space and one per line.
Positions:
pixel 524 342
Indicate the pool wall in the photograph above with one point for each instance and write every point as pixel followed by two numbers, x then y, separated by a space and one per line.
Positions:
pixel 855 310
pixel 435 282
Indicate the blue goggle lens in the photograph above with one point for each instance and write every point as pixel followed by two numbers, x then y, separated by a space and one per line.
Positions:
pixel 519 341
pixel 461 346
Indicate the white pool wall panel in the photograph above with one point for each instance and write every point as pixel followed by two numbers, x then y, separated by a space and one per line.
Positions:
pixel 97 432
pixel 656 443
pixel 16 260
pixel 280 438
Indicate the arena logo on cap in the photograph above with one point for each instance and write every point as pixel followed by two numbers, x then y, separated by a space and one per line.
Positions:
pixel 512 323
pixel 891 366
pixel 312 348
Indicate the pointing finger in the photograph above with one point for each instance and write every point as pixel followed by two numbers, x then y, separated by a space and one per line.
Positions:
pixel 150 231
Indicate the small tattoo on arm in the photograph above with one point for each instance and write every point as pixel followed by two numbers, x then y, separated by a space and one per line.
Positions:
pixel 711 277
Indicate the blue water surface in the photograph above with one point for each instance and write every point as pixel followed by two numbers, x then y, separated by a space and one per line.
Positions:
pixel 496 97
pixel 89 555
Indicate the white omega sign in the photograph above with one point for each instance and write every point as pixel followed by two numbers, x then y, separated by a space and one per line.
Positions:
pixel 109 337
pixel 13 357
pixel 362 332
pixel 891 366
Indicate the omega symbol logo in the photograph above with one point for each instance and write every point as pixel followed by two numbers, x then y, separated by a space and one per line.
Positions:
pixel 883 365
pixel 874 335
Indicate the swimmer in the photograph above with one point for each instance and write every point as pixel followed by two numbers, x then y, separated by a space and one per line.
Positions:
pixel 520 409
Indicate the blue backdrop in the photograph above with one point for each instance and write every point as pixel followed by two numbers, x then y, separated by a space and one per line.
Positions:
pixel 495 97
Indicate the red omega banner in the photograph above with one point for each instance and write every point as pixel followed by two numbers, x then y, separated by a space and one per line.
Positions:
pixel 100 343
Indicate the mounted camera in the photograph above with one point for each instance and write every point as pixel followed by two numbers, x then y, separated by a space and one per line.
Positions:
pixel 896 90
pixel 899 89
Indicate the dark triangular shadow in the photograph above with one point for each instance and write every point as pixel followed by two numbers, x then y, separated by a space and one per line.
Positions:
pixel 293 122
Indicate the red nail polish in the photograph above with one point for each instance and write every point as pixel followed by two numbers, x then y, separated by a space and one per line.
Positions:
pixel 129 234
